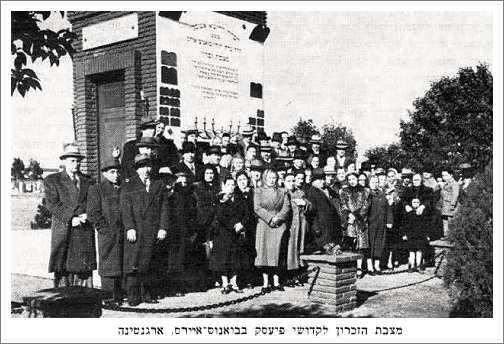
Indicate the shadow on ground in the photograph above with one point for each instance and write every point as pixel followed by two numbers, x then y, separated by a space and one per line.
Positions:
pixel 363 295
pixel 274 310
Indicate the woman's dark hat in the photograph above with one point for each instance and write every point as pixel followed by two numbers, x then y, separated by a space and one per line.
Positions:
pixel 147 141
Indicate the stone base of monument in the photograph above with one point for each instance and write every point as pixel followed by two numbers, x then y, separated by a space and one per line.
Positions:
pixel 334 285
pixel 64 302
pixel 441 250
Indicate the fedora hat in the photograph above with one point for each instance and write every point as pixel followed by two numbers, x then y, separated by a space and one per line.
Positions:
pixel 247 131
pixel 262 136
pixel 257 165
pixel 276 137
pixel 190 131
pixel 340 144
pixel 188 147
pixel 111 164
pixel 71 150
pixel 265 148
pixel 150 124
pixel 316 139
pixel 147 141
pixel 406 172
pixel 299 154
pixel 302 142
pixel 214 150
pixel 379 171
pixel 328 170
pixel 291 141
pixel 142 160
pixel 318 173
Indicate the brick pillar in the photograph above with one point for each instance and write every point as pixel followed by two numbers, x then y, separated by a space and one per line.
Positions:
pixel 335 284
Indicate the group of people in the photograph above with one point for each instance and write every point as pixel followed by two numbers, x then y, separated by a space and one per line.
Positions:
pixel 238 213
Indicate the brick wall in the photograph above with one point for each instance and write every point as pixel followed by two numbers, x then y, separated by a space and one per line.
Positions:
pixel 136 57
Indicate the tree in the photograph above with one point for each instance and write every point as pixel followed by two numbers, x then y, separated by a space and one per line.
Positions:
pixel 452 122
pixel 17 169
pixel 304 129
pixel 34 170
pixel 43 217
pixel 392 156
pixel 331 133
pixel 28 40
pixel 469 268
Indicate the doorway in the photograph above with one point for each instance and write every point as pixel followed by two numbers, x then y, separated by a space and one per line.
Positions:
pixel 111 114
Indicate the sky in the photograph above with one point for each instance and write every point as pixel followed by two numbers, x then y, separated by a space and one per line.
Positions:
pixel 363 70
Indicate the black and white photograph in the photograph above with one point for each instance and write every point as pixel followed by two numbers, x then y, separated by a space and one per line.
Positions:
pixel 304 173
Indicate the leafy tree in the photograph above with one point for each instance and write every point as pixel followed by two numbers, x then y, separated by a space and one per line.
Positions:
pixel 305 129
pixel 34 170
pixel 392 155
pixel 452 122
pixel 331 133
pixel 29 41
pixel 17 169
pixel 469 268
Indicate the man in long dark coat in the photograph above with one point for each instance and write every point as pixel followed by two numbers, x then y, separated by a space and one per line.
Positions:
pixel 144 214
pixel 324 222
pixel 73 256
pixel 104 213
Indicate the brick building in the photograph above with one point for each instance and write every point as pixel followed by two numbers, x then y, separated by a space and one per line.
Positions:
pixel 176 66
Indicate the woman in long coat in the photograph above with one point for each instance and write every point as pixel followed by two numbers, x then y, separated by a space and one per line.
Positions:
pixel 181 234
pixel 324 222
pixel 245 193
pixel 228 232
pixel 298 224
pixel 354 216
pixel 380 218
pixel 417 210
pixel 205 194
pixel 272 207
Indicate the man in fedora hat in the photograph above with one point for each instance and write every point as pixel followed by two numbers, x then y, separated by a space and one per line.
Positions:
pixel 298 162
pixel 316 148
pixel 292 145
pixel 73 256
pixel 189 164
pixel 341 159
pixel 246 140
pixel 276 143
pixel 265 152
pixel 130 148
pixel 104 212
pixel 144 214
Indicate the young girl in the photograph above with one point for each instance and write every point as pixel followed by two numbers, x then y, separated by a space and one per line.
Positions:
pixel 415 223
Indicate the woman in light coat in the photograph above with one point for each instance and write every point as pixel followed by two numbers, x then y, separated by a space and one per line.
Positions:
pixel 298 224
pixel 272 207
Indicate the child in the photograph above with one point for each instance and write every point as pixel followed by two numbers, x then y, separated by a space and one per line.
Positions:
pixel 415 233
